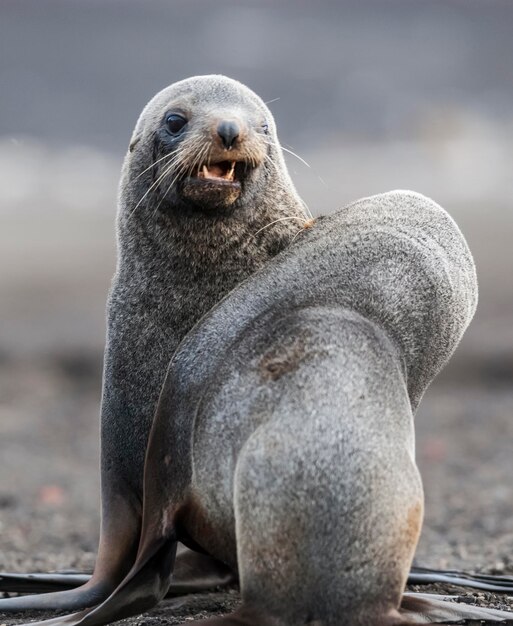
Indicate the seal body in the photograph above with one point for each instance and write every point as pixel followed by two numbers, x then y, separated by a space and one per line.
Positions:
pixel 283 439
pixel 322 506
pixel 205 200
pixel 316 496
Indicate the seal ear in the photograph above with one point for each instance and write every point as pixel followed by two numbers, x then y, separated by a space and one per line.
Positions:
pixel 136 137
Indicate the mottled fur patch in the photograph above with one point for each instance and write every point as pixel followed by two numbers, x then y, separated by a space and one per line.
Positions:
pixel 283 358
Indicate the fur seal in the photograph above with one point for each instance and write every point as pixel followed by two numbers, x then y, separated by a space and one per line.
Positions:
pixel 307 377
pixel 205 200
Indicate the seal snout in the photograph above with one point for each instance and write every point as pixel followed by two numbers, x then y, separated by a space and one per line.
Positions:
pixel 228 131
pixel 225 165
pixel 215 151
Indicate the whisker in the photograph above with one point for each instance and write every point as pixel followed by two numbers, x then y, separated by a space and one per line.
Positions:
pixel 166 156
pixel 200 159
pixel 305 205
pixel 281 219
pixel 296 155
pixel 307 209
pixel 183 172
pixel 174 157
pixel 163 196
pixel 297 235
pixel 271 161
pixel 275 145
pixel 153 186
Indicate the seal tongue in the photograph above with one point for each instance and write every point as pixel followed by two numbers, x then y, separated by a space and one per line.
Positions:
pixel 224 170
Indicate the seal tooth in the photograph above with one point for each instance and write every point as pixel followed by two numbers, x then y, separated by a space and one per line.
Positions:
pixel 206 173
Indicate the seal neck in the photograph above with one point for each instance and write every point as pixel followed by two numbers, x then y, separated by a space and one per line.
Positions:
pixel 150 237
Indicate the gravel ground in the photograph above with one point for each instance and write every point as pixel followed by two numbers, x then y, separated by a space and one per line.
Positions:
pixel 49 480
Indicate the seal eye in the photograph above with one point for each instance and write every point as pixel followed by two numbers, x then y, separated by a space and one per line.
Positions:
pixel 175 123
pixel 265 129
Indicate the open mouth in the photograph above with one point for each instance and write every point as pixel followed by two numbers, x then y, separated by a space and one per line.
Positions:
pixel 223 172
pixel 218 171
pixel 217 184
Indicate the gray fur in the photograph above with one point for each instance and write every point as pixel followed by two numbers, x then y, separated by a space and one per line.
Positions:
pixel 175 261
pixel 283 441
pixel 314 369
pixel 174 265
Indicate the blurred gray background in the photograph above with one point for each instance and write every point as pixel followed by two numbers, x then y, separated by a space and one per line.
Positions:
pixel 373 94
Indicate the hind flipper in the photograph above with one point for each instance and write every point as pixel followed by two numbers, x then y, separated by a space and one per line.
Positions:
pixel 486 582
pixel 425 608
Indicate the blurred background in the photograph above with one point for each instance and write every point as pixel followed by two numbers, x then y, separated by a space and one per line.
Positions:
pixel 373 94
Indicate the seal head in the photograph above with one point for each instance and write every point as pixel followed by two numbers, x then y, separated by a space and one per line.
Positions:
pixel 214 145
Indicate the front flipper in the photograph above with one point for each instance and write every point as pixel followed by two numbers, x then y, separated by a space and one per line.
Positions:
pixel 149 578
pixel 119 540
pixel 425 608
pixel 144 586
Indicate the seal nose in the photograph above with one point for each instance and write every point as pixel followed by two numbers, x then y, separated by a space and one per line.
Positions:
pixel 228 130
